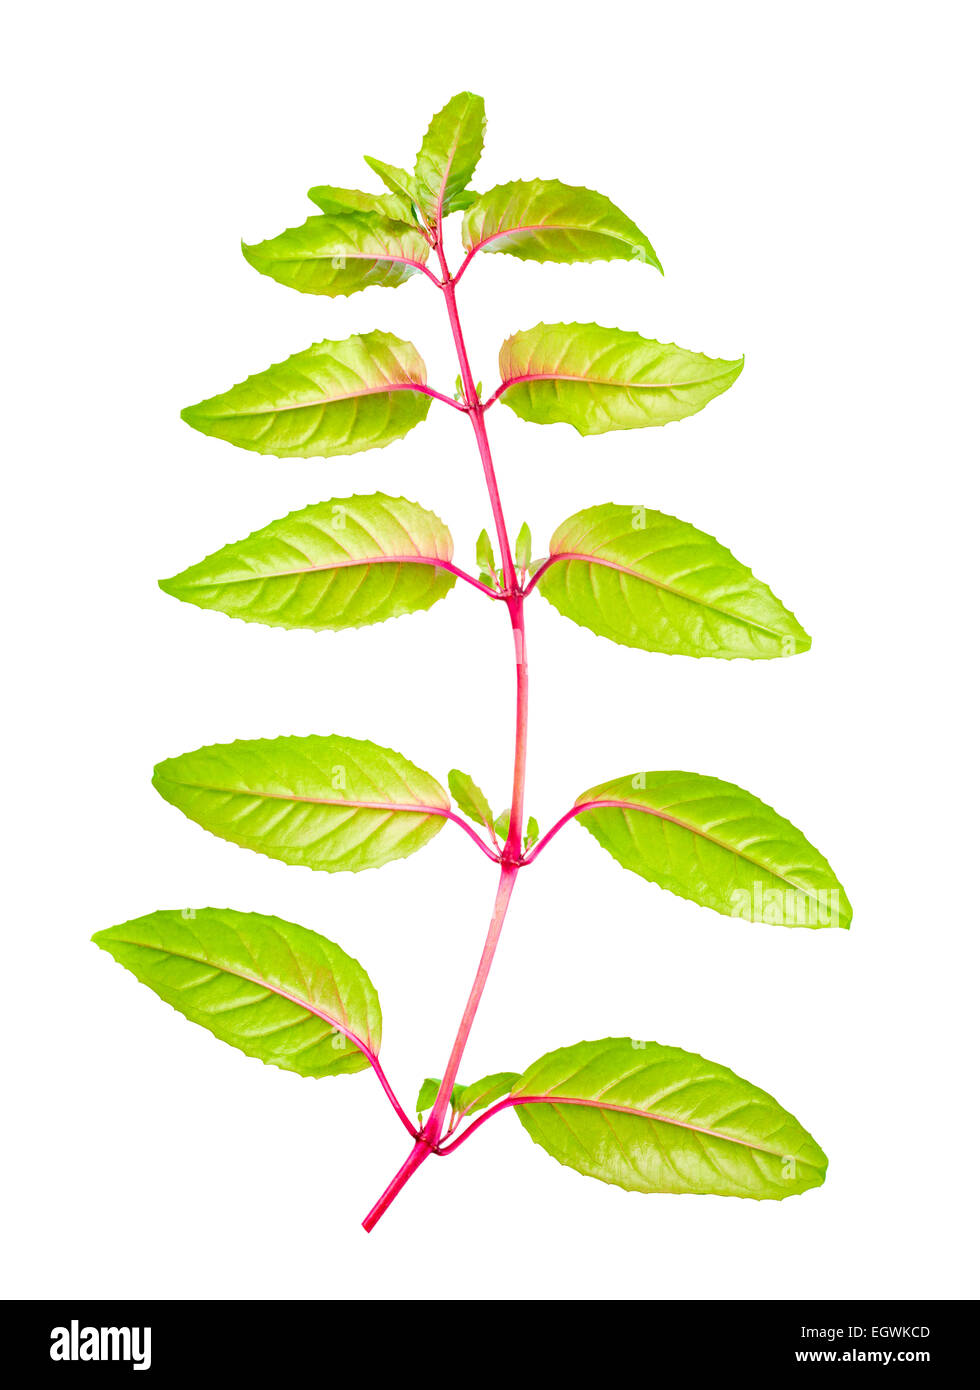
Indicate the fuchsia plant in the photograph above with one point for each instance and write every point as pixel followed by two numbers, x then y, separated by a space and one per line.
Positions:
pixel 647 1117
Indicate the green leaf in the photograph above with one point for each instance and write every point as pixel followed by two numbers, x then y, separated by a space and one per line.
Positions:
pixel 598 379
pixel 645 579
pixel 484 552
pixel 501 825
pixel 333 398
pixel 658 1119
pixel 469 798
pixel 275 990
pixel 522 548
pixel 397 206
pixel 324 802
pixel 397 180
pixel 717 845
pixel 533 833
pixel 341 254
pixel 343 563
pixel 463 200
pixel 484 1092
pixel 545 220
pixel 449 155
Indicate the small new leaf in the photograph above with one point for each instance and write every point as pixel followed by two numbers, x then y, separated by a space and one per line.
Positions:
pixel 545 220
pixel 647 580
pixel 469 798
pixel 428 1092
pixel 717 845
pixel 325 802
pixel 487 1091
pixel 598 379
pixel 333 398
pixel 270 988
pixel 532 834
pixel 501 826
pixel 449 155
pixel 343 563
pixel 341 254
pixel 657 1119
pixel 522 547
pixel 484 553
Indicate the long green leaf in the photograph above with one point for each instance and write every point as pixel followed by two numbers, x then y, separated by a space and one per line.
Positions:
pixel 343 563
pixel 275 990
pixel 449 155
pixel 645 579
pixel 544 220
pixel 598 379
pixel 341 254
pixel 326 802
pixel 717 845
pixel 397 206
pixel 658 1119
pixel 333 398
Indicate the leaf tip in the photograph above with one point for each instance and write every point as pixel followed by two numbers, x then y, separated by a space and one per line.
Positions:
pixel 191 415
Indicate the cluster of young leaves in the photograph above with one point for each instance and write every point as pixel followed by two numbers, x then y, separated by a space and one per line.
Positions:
pixel 643 1116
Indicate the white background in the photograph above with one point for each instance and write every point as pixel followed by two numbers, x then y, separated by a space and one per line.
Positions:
pixel 806 174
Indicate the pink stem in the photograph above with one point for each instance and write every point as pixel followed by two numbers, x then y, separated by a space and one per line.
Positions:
pixel 457 820
pixel 543 568
pixel 615 803
pixel 476 410
pixel 437 395
pixel 433 1127
pixel 417 1157
pixel 427 1141
pixel 510 857
pixel 386 1085
pixel 569 815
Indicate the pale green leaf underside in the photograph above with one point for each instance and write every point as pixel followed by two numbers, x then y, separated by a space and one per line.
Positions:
pixel 333 398
pixel 341 254
pixel 545 220
pixel 449 155
pixel 342 563
pixel 275 990
pixel 668 1121
pixel 397 206
pixel 717 845
pixel 325 802
pixel 645 579
pixel 598 379
pixel 469 798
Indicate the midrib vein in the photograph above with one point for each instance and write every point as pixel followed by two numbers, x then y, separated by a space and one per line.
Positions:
pixel 646 1115
pixel 569 555
pixel 263 984
pixel 614 803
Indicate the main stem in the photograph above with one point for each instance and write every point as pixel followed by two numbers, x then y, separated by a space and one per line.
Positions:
pixel 428 1139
